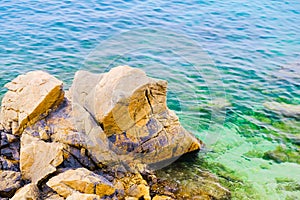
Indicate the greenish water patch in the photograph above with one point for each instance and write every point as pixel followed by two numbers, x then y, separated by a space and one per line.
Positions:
pixel 241 167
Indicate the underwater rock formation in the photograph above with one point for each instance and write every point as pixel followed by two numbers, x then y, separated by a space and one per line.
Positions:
pixel 287 110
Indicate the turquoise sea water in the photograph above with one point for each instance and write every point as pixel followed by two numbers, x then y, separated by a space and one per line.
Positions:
pixel 252 48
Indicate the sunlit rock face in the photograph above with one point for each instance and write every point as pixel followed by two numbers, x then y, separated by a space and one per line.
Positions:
pixel 38 158
pixel 29 191
pixel 131 109
pixel 80 180
pixel 30 98
pixel 10 181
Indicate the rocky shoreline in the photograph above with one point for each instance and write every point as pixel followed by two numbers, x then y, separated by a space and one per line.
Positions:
pixel 102 139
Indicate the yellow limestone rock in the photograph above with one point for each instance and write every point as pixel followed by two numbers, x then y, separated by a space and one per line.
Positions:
pixel 161 197
pixel 80 180
pixel 81 196
pixel 38 158
pixel 29 98
pixel 29 191
pixel 134 186
pixel 10 181
pixel 131 108
pixel 124 97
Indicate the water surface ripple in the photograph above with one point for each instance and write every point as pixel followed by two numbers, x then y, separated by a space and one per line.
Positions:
pixel 254 44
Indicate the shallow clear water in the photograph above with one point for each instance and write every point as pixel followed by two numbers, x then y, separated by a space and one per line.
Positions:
pixel 235 52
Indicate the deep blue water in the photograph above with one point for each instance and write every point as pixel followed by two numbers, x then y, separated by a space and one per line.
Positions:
pixel 253 47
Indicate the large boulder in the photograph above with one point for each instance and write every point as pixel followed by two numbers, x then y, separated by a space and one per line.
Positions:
pixel 30 97
pixel 38 158
pixel 124 112
pixel 131 109
pixel 10 181
pixel 81 180
pixel 125 97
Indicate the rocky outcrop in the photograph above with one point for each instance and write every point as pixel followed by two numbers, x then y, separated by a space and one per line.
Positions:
pixel 30 97
pixel 101 141
pixel 10 181
pixel 287 110
pixel 73 126
pixel 80 180
pixel 131 110
pixel 134 186
pixel 29 191
pixel 38 158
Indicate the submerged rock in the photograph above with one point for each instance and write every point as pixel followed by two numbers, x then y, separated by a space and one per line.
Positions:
pixel 9 146
pixel 80 180
pixel 180 181
pixel 30 97
pixel 38 158
pixel 10 181
pixel 283 154
pixel 287 110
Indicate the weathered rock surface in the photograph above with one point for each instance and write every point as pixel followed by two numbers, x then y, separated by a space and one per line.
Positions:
pixel 163 197
pixel 9 151
pixel 10 181
pixel 83 84
pixel 9 146
pixel 80 180
pixel 131 109
pixel 134 186
pixel 288 110
pixel 30 97
pixel 72 125
pixel 81 196
pixel 55 197
pixel 7 164
pixel 29 191
pixel 38 158
pixel 124 97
